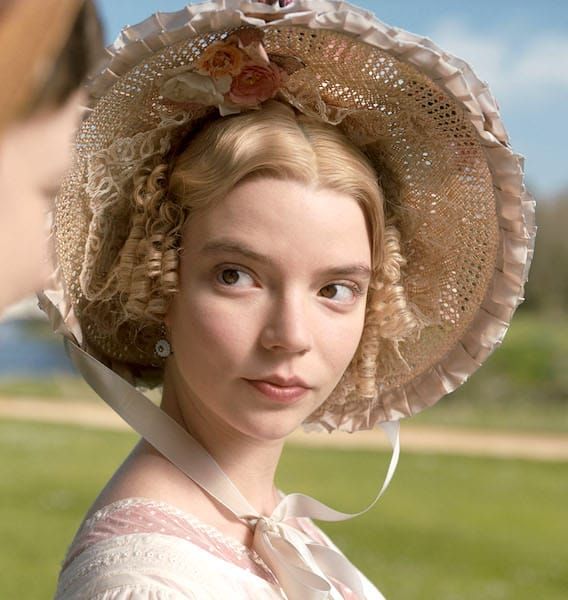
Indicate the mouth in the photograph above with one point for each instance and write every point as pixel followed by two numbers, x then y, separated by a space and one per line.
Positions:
pixel 281 381
pixel 285 394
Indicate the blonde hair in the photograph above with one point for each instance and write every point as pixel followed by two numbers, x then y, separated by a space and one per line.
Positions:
pixel 278 141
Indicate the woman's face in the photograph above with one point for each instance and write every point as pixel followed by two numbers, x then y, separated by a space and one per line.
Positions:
pixel 273 283
pixel 34 155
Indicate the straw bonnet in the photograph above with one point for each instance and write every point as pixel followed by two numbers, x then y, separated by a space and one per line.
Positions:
pixel 430 127
pixel 25 67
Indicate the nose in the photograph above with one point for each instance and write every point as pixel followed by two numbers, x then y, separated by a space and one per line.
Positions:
pixel 287 327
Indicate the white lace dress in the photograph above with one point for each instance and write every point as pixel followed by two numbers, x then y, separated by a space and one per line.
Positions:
pixel 142 549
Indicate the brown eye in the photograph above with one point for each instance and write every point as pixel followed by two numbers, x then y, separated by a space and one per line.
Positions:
pixel 329 291
pixel 230 276
pixel 340 292
pixel 234 278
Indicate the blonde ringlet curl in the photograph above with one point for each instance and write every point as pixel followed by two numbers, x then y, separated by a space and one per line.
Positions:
pixel 278 141
pixel 388 319
pixel 144 274
pixel 148 265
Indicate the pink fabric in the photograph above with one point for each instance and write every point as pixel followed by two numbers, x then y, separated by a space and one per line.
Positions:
pixel 142 515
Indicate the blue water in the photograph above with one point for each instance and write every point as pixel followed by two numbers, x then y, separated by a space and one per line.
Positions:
pixel 23 352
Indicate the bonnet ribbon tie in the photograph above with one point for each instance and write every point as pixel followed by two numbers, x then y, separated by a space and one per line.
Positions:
pixel 302 567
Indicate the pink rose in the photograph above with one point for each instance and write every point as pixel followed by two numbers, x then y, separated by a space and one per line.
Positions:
pixel 255 84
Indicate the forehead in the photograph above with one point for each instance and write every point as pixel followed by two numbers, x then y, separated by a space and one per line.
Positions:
pixel 286 220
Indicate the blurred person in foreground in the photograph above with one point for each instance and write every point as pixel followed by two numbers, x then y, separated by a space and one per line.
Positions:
pixel 48 48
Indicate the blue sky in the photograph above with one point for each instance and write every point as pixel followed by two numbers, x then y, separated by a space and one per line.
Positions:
pixel 519 47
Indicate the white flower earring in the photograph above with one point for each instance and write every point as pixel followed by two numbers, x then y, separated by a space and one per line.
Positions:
pixel 163 348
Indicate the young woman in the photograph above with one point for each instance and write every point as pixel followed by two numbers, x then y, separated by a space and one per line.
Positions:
pixel 39 112
pixel 283 222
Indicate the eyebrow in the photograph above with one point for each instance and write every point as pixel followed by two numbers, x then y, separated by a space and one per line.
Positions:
pixel 234 247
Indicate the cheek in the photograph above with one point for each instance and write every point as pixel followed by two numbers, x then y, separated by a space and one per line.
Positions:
pixel 24 233
pixel 341 339
pixel 208 334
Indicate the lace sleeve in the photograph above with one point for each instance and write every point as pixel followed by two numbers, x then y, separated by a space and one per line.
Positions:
pixel 140 592
pixel 154 566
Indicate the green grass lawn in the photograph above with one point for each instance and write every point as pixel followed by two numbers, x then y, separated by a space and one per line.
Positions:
pixel 449 528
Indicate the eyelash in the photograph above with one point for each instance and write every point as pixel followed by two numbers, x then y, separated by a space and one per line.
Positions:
pixel 353 287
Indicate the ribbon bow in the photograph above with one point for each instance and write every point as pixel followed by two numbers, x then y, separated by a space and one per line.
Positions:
pixel 302 567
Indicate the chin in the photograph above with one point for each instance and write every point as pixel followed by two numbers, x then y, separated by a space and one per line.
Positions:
pixel 272 429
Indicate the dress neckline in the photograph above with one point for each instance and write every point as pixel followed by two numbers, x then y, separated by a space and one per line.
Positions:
pixel 304 526
pixel 190 518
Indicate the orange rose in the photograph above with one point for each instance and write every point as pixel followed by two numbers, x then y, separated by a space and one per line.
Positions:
pixel 220 59
pixel 255 84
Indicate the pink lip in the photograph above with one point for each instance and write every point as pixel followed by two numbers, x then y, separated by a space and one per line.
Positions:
pixel 283 381
pixel 284 394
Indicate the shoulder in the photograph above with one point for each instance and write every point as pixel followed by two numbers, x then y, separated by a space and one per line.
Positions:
pixel 146 473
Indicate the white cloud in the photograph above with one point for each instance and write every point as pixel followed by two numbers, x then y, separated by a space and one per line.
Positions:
pixel 524 70
pixel 545 61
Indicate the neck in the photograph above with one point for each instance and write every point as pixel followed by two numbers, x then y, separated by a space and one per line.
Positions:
pixel 250 463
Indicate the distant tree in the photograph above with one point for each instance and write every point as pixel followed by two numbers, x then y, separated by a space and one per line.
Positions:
pixel 547 288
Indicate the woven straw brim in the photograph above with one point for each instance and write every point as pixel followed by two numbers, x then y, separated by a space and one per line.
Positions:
pixel 433 132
